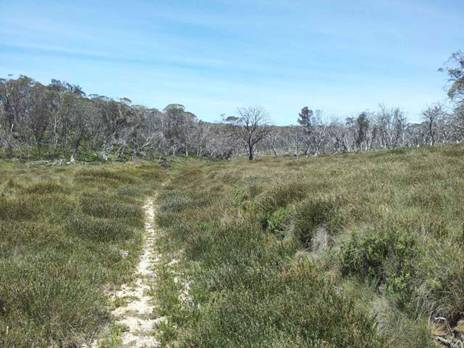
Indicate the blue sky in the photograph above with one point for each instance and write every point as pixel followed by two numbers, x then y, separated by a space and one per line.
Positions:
pixel 341 57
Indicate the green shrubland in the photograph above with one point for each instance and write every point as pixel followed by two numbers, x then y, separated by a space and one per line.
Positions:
pixel 350 250
pixel 347 250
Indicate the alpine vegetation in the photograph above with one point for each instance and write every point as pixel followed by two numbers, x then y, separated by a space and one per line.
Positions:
pixel 208 174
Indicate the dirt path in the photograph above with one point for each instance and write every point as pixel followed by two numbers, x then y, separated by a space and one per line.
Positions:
pixel 137 313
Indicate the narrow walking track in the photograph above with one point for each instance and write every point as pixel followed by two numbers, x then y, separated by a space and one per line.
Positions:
pixel 137 313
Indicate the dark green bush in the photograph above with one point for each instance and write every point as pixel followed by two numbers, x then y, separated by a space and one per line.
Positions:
pixel 383 256
pixel 440 285
pixel 279 197
pixel 279 221
pixel 314 213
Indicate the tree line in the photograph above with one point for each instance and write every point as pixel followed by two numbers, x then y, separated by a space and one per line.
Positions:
pixel 60 121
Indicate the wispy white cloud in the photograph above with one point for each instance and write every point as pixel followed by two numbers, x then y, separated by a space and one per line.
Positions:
pixel 214 55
